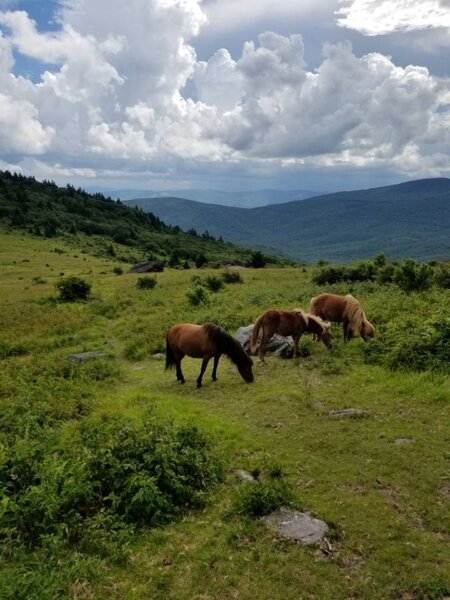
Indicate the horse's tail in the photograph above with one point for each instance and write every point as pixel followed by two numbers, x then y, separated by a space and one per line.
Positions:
pixel 255 333
pixel 170 356
pixel 353 313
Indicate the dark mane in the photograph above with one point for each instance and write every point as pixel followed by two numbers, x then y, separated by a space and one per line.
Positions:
pixel 227 344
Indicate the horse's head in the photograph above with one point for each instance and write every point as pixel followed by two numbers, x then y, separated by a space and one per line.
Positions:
pixel 246 371
pixel 367 330
pixel 325 335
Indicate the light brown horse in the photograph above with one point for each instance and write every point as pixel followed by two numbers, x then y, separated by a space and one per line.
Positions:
pixel 206 342
pixel 343 309
pixel 294 323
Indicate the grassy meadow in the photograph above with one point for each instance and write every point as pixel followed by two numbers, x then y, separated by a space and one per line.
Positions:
pixel 387 502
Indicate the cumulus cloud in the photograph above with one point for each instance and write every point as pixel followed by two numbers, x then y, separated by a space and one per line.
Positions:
pixel 381 17
pixel 229 14
pixel 122 92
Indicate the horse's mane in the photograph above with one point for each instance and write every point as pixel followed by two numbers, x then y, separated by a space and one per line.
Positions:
pixel 227 344
pixel 354 313
pixel 304 315
pixel 324 326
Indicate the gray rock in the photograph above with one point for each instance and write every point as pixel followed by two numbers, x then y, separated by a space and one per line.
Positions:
pixel 235 267
pixel 150 266
pixel 278 345
pixel 244 476
pixel 404 441
pixel 83 356
pixel 319 405
pixel 296 526
pixel 158 356
pixel 349 413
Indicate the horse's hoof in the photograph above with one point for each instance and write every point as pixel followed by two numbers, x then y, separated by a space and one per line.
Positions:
pixel 199 385
pixel 214 378
pixel 182 381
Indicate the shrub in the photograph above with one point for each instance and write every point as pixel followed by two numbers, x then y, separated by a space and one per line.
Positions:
pixel 261 497
pixel 200 260
pixel 442 276
pixel 330 274
pixel 110 473
pixel 73 288
pixel 232 277
pixel 361 271
pixel 118 270
pixel 146 283
pixel 385 274
pixel 213 283
pixel 7 349
pixel 257 260
pixel 414 347
pixel 412 276
pixel 198 295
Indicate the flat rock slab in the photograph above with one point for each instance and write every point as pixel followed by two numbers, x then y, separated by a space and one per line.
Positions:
pixel 82 356
pixel 404 441
pixel 296 526
pixel 349 413
pixel 149 266
pixel 158 356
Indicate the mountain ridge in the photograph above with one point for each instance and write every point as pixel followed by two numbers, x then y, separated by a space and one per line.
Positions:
pixel 406 219
pixel 244 199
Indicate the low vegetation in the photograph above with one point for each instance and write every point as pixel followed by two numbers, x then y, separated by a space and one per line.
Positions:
pixel 116 482
pixel 147 282
pixel 409 275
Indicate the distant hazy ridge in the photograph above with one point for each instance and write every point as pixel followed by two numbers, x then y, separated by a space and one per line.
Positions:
pixel 408 219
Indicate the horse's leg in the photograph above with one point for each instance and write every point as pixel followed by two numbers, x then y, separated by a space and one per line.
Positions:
pixel 180 376
pixel 296 339
pixel 202 371
pixel 216 362
pixel 262 348
pixel 346 331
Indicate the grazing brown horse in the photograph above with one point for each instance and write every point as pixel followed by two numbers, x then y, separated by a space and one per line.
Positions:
pixel 206 342
pixel 294 323
pixel 343 309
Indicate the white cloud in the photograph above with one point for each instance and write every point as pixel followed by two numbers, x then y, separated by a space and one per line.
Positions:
pixel 20 131
pixel 231 14
pixel 126 94
pixel 381 17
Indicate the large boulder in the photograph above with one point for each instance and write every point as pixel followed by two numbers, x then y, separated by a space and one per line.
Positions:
pixel 149 266
pixel 278 345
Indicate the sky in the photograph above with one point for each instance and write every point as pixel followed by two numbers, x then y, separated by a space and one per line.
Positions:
pixel 320 95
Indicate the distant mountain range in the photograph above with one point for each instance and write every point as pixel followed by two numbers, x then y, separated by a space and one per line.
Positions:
pixel 409 219
pixel 239 199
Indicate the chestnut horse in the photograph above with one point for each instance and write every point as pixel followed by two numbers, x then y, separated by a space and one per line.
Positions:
pixel 206 342
pixel 294 323
pixel 343 309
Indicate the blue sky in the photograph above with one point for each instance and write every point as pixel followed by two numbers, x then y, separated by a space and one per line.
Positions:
pixel 167 94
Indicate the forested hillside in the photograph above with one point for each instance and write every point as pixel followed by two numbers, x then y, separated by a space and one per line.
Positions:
pixel 407 220
pixel 105 226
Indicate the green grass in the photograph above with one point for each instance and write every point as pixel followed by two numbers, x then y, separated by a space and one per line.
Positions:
pixel 387 503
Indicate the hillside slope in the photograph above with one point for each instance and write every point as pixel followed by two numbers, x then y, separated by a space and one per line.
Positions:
pixel 408 219
pixel 103 226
